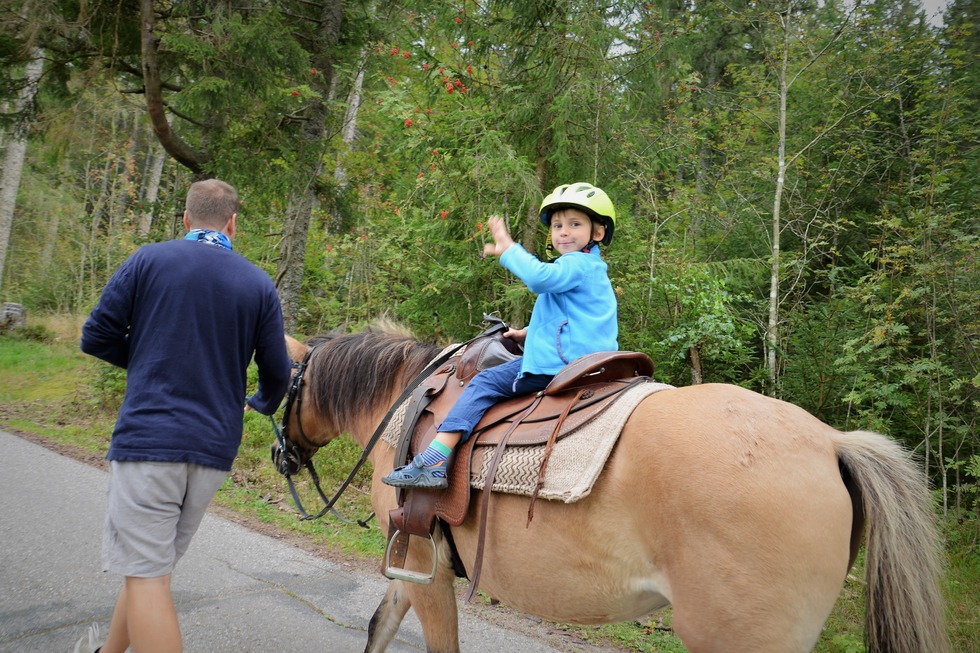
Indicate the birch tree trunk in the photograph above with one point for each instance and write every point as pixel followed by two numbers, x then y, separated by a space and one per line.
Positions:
pixel 789 32
pixel 349 130
pixel 772 329
pixel 152 190
pixel 13 160
pixel 348 134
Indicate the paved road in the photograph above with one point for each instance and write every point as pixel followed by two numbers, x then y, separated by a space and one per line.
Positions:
pixel 236 591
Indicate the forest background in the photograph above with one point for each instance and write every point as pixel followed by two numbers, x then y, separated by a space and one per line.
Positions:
pixel 794 180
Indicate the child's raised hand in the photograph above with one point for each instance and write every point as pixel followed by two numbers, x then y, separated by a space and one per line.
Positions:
pixel 501 237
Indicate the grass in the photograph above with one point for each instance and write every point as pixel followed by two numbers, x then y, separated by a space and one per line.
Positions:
pixel 49 388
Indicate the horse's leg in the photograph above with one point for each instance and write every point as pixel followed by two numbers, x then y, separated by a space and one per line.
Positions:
pixel 435 603
pixel 388 617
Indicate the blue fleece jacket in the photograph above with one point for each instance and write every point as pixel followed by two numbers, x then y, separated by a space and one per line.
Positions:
pixel 184 319
pixel 575 312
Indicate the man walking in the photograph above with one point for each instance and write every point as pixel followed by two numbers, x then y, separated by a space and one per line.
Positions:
pixel 184 318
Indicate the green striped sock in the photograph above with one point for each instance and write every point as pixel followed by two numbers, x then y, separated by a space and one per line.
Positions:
pixel 435 454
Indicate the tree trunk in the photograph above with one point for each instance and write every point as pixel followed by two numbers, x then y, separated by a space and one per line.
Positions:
pixel 697 370
pixel 152 190
pixel 348 134
pixel 13 161
pixel 348 131
pixel 530 226
pixel 772 330
pixel 289 276
pixel 50 241
pixel 125 177
pixel 155 105
pixel 289 280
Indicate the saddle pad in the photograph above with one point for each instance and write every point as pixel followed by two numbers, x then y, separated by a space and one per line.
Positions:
pixel 576 459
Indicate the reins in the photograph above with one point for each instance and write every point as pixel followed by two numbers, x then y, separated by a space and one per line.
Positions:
pixel 290 465
pixel 329 503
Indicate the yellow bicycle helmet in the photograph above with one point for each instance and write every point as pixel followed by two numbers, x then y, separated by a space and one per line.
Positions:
pixel 585 197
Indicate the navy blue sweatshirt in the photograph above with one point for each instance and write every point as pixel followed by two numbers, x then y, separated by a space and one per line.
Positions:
pixel 184 319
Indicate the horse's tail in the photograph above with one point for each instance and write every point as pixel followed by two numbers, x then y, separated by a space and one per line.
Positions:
pixel 903 561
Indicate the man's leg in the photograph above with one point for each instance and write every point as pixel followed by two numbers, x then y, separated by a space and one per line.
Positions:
pixel 154 510
pixel 152 618
pixel 118 639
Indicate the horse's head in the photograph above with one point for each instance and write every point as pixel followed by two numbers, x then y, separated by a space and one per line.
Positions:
pixel 302 432
pixel 344 382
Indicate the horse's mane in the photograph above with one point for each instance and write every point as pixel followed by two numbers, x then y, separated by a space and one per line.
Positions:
pixel 350 373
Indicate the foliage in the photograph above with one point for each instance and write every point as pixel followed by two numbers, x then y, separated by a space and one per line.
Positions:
pixel 963 582
pixel 34 333
pixel 702 315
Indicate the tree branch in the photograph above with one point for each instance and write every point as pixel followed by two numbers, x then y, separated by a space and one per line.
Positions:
pixel 155 107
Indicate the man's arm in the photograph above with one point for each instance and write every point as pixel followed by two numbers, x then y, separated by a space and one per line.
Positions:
pixel 105 334
pixel 273 362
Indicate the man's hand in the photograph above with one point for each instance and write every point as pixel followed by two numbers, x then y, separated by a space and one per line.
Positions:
pixel 501 237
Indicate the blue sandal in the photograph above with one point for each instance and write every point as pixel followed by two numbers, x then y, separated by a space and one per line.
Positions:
pixel 415 474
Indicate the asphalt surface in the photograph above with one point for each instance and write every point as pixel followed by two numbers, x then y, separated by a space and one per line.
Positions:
pixel 236 591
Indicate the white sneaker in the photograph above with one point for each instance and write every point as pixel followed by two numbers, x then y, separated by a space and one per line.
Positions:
pixel 90 641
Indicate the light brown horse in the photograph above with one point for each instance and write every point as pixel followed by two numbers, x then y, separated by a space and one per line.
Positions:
pixel 742 512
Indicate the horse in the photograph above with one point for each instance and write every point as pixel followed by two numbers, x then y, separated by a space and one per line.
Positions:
pixel 743 512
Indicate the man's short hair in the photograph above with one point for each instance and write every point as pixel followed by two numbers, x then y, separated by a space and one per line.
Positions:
pixel 210 204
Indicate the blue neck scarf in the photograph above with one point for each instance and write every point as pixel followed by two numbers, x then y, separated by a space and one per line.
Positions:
pixel 210 237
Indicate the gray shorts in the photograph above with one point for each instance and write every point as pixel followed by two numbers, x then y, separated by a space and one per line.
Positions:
pixel 154 510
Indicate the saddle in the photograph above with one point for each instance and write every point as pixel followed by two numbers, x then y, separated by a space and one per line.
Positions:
pixel 578 393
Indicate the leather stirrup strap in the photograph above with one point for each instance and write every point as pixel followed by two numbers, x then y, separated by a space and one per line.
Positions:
pixel 418 400
pixel 547 453
pixel 398 549
pixel 488 490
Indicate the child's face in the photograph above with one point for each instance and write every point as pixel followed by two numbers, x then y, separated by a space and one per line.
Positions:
pixel 571 230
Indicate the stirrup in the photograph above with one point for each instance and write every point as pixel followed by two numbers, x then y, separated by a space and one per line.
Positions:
pixel 407 575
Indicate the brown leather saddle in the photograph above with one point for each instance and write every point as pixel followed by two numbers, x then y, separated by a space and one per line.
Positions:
pixel 579 392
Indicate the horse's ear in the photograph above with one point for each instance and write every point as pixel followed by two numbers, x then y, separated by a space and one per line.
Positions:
pixel 295 348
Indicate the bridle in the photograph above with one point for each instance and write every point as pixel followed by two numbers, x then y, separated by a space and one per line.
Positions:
pixel 290 460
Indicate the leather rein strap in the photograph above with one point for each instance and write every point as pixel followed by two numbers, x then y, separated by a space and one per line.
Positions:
pixel 290 454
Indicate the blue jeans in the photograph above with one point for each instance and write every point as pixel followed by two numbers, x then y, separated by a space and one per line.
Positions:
pixel 487 388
